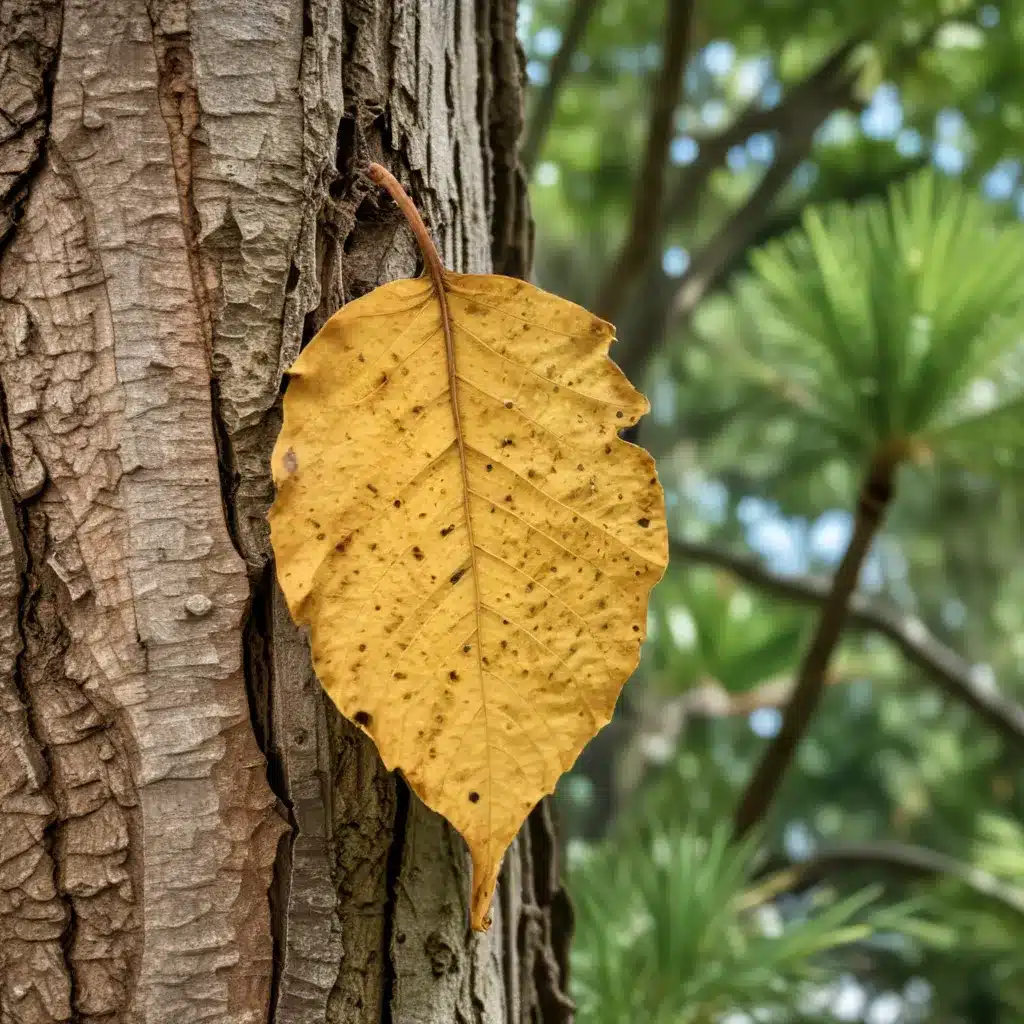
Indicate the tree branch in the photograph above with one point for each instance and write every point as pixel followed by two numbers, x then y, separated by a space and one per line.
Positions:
pixel 829 82
pixel 902 858
pixel 859 187
pixel 712 700
pixel 796 120
pixel 873 502
pixel 649 189
pixel 544 108
pixel 952 673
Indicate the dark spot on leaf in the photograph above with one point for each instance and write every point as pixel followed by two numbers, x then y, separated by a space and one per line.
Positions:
pixel 504 644
pixel 466 648
pixel 321 536
pixel 636 629
pixel 362 647
pixel 579 466
pixel 457 575
pixel 489 467
pixel 383 379
pixel 508 405
pixel 508 497
pixel 373 547
pixel 453 675
pixel 363 718
pixel 618 415
pixel 448 529
pixel 417 408
pixel 397 503
pixel 417 554
pixel 644 522
pixel 474 797
pixel 607 449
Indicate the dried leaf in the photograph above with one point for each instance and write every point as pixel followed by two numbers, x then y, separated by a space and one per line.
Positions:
pixel 469 540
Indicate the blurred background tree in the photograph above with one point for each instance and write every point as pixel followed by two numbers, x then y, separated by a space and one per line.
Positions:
pixel 804 218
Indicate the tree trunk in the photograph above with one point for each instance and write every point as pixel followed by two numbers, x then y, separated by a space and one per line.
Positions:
pixel 188 830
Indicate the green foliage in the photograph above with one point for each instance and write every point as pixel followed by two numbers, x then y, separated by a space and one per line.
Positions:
pixel 895 323
pixel 722 633
pixel 876 323
pixel 670 929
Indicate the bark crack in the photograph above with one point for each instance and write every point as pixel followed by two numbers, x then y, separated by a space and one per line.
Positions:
pixel 179 106
pixel 403 798
pixel 22 536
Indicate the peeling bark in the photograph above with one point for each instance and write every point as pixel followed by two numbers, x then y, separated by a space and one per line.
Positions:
pixel 188 829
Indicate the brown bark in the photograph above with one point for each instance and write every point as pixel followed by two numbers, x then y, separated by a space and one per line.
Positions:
pixel 188 830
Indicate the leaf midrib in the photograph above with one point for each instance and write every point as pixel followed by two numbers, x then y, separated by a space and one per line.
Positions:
pixel 437 276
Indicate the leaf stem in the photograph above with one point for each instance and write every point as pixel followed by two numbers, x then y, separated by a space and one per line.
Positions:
pixel 383 177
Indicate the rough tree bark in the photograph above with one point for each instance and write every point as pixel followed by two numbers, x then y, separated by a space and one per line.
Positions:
pixel 187 830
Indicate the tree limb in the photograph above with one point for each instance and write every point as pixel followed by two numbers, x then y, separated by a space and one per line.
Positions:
pixel 859 187
pixel 829 82
pixel 796 119
pixel 712 700
pixel 649 189
pixel 544 108
pixel 903 858
pixel 873 502
pixel 952 673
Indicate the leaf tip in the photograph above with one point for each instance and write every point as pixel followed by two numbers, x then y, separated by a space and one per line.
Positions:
pixel 485 880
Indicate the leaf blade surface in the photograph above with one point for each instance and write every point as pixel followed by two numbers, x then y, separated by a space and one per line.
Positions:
pixel 469 540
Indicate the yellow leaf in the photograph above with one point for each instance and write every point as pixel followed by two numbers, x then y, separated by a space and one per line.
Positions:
pixel 469 540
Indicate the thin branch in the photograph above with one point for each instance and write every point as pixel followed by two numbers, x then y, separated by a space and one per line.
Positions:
pixel 544 108
pixel 796 120
pixel 712 700
pixel 873 502
pixel 902 858
pixel 828 86
pixel 649 188
pixel 857 188
pixel 952 673
pixel 739 231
